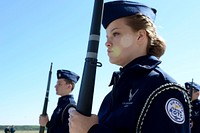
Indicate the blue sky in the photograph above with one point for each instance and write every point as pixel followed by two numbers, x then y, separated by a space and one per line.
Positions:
pixel 34 33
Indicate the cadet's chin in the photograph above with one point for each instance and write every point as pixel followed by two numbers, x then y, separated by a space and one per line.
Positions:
pixel 112 61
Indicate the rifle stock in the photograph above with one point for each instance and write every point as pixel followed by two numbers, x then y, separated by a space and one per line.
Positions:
pixel 44 112
pixel 84 104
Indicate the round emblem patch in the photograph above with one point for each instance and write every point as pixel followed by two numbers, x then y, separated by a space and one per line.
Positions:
pixel 175 110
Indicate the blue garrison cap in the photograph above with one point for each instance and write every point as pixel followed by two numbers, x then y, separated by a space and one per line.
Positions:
pixel 66 74
pixel 193 85
pixel 122 8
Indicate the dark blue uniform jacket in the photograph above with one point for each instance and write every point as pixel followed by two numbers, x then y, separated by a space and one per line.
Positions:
pixel 196 116
pixel 144 99
pixel 59 118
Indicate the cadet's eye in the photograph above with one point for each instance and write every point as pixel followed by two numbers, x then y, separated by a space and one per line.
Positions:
pixel 116 34
pixel 59 84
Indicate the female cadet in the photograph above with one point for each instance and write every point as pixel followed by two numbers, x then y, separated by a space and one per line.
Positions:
pixel 144 99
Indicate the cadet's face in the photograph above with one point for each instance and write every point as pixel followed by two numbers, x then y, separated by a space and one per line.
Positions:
pixel 62 87
pixel 195 94
pixel 122 43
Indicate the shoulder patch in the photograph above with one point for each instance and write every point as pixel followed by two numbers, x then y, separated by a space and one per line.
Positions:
pixel 175 110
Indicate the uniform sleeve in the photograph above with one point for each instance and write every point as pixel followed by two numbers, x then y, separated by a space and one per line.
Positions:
pixel 167 112
pixel 49 124
pixel 100 129
pixel 65 121
pixel 196 112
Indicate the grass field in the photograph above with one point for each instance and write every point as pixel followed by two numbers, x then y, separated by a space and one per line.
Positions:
pixel 24 132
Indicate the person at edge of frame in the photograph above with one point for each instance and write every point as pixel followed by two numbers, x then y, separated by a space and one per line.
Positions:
pixel 194 88
pixel 144 98
pixel 12 129
pixel 7 129
pixel 65 85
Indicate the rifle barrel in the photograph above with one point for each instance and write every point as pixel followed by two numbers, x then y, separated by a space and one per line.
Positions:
pixel 84 104
pixel 191 89
pixel 44 112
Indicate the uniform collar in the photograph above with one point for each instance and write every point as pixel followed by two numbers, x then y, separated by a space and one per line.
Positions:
pixel 64 98
pixel 147 62
pixel 138 65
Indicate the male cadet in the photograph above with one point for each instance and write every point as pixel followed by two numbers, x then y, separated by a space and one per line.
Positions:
pixel 59 119
pixel 194 88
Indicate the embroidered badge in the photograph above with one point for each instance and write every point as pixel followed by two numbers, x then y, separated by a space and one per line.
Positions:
pixel 196 113
pixel 175 110
pixel 132 95
pixel 126 104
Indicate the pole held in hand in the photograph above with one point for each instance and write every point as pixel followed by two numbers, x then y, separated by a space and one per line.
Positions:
pixel 44 112
pixel 84 104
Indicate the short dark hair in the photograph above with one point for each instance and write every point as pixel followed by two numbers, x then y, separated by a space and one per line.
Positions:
pixel 70 82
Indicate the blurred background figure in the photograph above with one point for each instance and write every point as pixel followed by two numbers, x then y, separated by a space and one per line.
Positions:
pixel 7 129
pixel 193 88
pixel 12 129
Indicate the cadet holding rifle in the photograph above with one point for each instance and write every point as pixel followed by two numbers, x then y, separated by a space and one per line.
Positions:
pixel 194 89
pixel 65 85
pixel 144 98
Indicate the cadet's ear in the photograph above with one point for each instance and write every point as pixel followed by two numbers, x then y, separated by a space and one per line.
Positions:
pixel 141 35
pixel 69 86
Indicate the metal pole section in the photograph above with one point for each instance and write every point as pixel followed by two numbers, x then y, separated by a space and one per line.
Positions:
pixel 191 89
pixel 84 104
pixel 44 112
